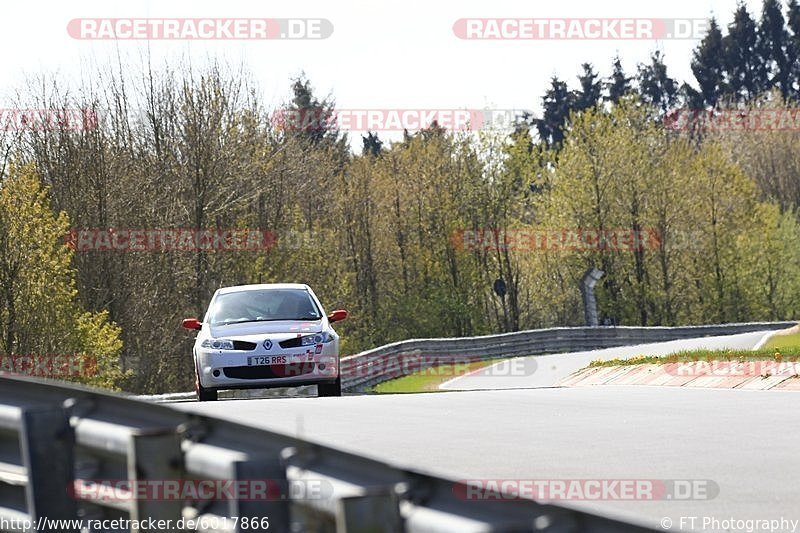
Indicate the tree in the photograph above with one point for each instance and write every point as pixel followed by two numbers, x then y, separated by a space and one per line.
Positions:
pixel 371 144
pixel 770 243
pixel 771 159
pixel 655 85
pixel 591 88
pixel 379 232
pixel 772 47
pixel 746 74
pixel 557 103
pixel 39 315
pixel 725 201
pixel 793 46
pixel 583 196
pixel 708 65
pixel 422 192
pixel 312 119
pixel 618 171
pixel 618 85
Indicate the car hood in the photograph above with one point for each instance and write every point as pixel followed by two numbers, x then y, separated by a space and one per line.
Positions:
pixel 277 328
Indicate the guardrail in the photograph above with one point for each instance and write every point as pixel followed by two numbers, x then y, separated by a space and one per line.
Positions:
pixel 70 453
pixel 364 370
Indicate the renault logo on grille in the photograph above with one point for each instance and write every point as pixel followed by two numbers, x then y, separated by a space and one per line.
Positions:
pixel 268 344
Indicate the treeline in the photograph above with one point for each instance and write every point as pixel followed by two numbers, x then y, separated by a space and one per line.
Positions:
pixel 731 66
pixel 408 236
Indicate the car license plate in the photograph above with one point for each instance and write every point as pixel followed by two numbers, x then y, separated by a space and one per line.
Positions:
pixel 258 360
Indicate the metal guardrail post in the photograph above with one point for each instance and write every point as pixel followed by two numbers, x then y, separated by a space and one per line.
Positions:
pixel 378 510
pixel 47 442
pixel 275 507
pixel 154 455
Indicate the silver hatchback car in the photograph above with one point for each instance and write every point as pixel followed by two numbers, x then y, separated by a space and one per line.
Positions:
pixel 262 336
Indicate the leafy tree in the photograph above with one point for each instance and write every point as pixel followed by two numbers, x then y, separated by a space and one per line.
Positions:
pixel 378 232
pixel 771 159
pixel 423 187
pixel 773 265
pixel 619 171
pixel 583 196
pixel 39 315
pixel 725 201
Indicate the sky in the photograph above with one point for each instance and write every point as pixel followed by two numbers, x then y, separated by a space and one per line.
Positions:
pixel 381 55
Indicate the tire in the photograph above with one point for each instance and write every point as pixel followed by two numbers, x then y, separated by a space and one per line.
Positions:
pixel 203 394
pixel 330 389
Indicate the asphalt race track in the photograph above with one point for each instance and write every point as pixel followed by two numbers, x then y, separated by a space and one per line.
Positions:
pixel 745 442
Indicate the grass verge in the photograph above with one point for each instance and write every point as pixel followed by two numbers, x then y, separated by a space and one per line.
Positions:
pixel 428 380
pixel 791 353
pixel 784 342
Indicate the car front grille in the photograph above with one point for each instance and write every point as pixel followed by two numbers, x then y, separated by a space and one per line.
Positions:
pixel 244 345
pixel 269 371
pixel 291 343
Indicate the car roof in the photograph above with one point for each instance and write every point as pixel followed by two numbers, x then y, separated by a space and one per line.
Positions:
pixel 263 286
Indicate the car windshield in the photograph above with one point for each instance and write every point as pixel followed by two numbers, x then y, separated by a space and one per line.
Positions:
pixel 262 306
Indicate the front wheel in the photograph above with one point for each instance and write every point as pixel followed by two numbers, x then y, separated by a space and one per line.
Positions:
pixel 330 389
pixel 203 394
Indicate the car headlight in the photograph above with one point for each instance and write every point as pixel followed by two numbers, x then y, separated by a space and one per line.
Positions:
pixel 317 338
pixel 217 344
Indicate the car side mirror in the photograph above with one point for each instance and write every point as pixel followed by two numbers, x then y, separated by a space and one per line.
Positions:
pixel 192 323
pixel 336 316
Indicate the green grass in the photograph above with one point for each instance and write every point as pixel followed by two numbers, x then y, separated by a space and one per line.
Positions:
pixel 784 342
pixel 428 380
pixel 791 353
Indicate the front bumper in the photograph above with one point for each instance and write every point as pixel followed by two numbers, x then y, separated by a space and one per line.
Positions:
pixel 217 369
